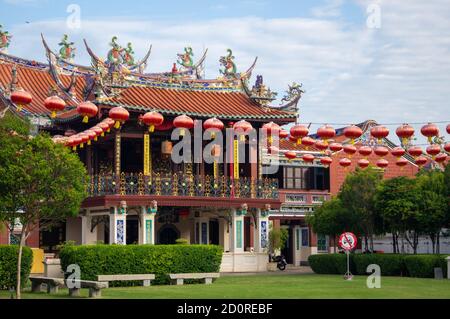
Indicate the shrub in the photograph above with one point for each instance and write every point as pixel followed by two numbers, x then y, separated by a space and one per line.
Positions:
pixel 422 266
pixel 330 263
pixel 141 259
pixel 8 265
pixel 390 264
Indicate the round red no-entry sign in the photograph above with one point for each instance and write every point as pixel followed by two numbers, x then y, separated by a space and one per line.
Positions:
pixel 348 241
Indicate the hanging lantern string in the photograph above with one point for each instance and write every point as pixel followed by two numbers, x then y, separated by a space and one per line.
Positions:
pixel 386 124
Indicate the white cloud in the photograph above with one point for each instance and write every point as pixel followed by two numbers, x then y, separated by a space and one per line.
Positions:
pixel 398 73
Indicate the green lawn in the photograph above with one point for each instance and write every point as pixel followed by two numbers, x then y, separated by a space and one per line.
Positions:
pixel 287 286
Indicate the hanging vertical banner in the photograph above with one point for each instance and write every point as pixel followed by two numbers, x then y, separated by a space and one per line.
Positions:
pixel 216 169
pixel 236 159
pixel 117 155
pixel 239 234
pixel 146 154
pixel 149 231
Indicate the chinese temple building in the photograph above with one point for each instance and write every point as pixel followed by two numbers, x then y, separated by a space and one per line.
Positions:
pixel 120 120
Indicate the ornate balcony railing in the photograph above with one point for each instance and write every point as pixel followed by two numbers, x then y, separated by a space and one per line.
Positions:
pixel 181 185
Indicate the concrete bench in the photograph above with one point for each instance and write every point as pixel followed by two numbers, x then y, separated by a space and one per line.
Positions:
pixel 178 279
pixel 95 287
pixel 52 284
pixel 145 278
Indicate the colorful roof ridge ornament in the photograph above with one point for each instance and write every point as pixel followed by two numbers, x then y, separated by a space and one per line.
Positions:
pixel 67 49
pixel 229 67
pixel 5 39
pixel 185 59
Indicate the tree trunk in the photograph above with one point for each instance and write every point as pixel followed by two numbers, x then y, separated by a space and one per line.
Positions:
pixel 394 248
pixel 433 243
pixel 438 242
pixel 334 243
pixel 19 264
pixel 366 243
pixel 371 243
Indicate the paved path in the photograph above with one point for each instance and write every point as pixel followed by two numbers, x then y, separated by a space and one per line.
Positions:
pixel 289 271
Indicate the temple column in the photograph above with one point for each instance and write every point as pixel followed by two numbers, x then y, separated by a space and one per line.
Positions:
pixel 118 226
pixel 87 237
pixel 147 227
pixel 261 232
pixel 237 232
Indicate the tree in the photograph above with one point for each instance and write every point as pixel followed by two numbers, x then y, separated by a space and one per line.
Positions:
pixel 38 180
pixel 331 219
pixel 433 204
pixel 397 202
pixel 277 239
pixel 357 196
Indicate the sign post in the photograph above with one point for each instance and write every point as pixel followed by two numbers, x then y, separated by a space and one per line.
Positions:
pixel 348 241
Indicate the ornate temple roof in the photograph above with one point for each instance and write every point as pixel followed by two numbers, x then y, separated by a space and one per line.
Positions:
pixel 119 80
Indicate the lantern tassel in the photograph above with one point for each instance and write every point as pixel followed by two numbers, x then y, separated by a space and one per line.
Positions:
pixel 53 115
pixel 103 133
pixel 19 107
pixel 117 124
pixel 151 128
pixel 299 141
pixel 81 145
pixel 89 142
pixel 96 138
pixel 74 148
pixel 85 119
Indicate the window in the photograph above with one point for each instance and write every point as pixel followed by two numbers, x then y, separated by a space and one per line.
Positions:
pixel 294 177
pixel 318 198
pixel 305 237
pixel 322 242
pixel 297 198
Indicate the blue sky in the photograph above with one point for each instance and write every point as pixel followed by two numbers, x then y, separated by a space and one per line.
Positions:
pixel 399 72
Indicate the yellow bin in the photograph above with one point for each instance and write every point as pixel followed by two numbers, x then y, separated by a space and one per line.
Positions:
pixel 38 261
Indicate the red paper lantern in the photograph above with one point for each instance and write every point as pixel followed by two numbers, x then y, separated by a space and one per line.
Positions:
pixel 214 125
pixel 290 155
pixel 429 130
pixel 326 161
pixel 20 98
pixel 184 213
pixel 152 119
pixel 398 151
pixel 87 109
pixel 54 104
pixel 448 128
pixel 421 160
pixel 98 131
pixel 345 162
pixel 447 147
pixel 352 132
pixel 91 134
pixel 335 147
pixel 76 140
pixel 349 149
pixel 321 145
pixel 379 132
pixel 84 138
pixel 270 129
pixel 308 158
pixel 440 158
pixel 104 127
pixel 404 132
pixel 307 141
pixel 365 150
pixel 298 132
pixel 242 127
pixel 433 150
pixel 382 163
pixel 381 151
pixel 415 151
pixel 283 133
pixel 363 163
pixel 119 115
pixel 401 162
pixel 326 132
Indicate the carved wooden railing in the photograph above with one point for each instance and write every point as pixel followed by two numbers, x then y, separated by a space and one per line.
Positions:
pixel 181 185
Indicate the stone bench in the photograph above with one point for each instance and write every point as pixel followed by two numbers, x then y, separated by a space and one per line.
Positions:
pixel 95 287
pixel 145 278
pixel 52 284
pixel 178 279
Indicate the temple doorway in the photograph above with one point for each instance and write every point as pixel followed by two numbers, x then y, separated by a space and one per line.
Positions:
pixel 168 234
pixel 132 230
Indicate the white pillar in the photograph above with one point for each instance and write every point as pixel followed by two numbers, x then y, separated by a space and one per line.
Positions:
pixel 87 237
pixel 261 233
pixel 237 232
pixel 118 227
pixel 147 227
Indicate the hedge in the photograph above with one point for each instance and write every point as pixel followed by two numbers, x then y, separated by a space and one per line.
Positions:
pixel 8 265
pixel 330 263
pixel 141 259
pixel 390 264
pixel 422 266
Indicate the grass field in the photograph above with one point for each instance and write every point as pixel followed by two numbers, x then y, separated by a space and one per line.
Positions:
pixel 289 286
